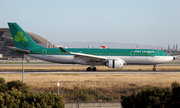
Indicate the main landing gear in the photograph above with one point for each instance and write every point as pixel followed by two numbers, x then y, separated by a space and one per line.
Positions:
pixel 91 68
pixel 154 68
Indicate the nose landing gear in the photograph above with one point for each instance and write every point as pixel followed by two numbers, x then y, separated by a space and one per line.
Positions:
pixel 154 69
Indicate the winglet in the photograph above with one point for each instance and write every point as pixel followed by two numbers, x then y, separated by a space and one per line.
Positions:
pixel 63 50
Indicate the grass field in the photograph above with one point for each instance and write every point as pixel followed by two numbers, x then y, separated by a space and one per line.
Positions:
pixel 95 80
pixel 108 84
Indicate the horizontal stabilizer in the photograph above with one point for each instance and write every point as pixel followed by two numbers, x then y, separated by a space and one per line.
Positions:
pixel 25 51
pixel 10 38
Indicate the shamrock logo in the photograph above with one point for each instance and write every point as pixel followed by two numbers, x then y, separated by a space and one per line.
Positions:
pixel 20 37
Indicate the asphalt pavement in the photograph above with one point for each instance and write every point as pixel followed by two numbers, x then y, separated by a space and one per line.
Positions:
pixel 89 72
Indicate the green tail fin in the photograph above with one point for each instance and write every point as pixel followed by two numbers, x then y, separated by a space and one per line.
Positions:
pixel 21 38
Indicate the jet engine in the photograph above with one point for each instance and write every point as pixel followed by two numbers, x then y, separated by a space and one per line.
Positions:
pixel 118 64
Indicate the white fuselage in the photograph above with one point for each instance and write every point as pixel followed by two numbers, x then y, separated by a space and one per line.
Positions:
pixel 139 60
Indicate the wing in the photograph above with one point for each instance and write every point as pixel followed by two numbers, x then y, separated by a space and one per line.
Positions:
pixel 85 57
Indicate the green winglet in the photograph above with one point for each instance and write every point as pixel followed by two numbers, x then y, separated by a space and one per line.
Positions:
pixel 62 50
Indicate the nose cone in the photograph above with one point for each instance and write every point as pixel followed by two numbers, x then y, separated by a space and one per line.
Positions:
pixel 169 58
pixel 172 58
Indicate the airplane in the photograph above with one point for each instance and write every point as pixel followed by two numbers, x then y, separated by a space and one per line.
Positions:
pixel 112 58
pixel 103 47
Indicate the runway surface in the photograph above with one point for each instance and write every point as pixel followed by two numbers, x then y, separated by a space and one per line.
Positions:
pixel 91 72
pixel 35 63
pixel 53 64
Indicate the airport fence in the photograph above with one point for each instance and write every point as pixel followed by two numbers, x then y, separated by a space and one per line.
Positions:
pixel 93 105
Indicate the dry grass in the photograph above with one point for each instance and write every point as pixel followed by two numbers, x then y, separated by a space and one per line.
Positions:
pixel 111 85
pixel 103 81
pixel 79 67
pixel 93 80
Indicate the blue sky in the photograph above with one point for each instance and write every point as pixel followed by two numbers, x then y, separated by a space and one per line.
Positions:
pixel 152 22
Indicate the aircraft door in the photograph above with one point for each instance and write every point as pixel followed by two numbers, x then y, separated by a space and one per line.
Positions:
pixel 44 52
pixel 132 54
pixel 156 54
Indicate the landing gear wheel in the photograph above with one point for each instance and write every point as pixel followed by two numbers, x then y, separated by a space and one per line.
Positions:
pixel 154 69
pixel 89 69
pixel 94 69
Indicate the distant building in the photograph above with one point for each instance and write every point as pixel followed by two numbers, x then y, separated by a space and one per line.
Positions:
pixel 174 48
pixel 136 46
pixel 168 48
pixel 177 47
pixel 58 46
pixel 161 48
pixel 7 40
pixel 158 47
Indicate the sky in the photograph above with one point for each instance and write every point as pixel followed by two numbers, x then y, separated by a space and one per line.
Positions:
pixel 152 22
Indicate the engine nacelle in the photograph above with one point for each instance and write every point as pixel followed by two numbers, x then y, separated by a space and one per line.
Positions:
pixel 118 64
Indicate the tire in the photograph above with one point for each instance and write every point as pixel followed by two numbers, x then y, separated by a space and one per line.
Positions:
pixel 94 69
pixel 89 69
pixel 154 69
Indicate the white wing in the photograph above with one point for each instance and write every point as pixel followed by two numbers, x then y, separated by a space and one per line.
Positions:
pixel 86 57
